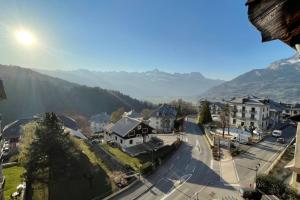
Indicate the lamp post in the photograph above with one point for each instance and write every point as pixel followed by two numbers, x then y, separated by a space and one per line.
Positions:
pixel 256 169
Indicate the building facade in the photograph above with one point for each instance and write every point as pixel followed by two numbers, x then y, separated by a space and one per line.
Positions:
pixel 128 132
pixel 249 111
pixel 163 118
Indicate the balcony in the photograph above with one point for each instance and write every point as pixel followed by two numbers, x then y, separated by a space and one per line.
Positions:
pixel 252 111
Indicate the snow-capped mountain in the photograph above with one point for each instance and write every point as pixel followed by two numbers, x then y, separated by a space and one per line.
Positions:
pixel 279 81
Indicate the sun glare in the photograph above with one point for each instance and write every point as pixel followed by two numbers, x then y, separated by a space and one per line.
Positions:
pixel 25 37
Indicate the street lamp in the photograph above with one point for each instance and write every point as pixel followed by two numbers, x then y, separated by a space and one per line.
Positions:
pixel 256 169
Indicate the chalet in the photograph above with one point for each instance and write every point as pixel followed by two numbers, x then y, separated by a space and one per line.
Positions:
pixel 129 132
pixel 163 118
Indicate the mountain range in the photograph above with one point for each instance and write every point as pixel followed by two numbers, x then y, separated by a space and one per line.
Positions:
pixel 154 85
pixel 279 81
pixel 29 92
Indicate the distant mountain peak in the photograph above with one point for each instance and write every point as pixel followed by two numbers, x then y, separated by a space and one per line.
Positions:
pixel 292 61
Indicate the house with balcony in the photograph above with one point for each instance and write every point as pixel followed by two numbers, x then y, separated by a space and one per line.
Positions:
pixel 128 132
pixel 163 118
pixel 249 111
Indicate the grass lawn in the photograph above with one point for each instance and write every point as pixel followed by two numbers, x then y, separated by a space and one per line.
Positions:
pixel 124 158
pixel 13 179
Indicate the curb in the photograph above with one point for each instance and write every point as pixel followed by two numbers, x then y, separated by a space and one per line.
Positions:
pixel 279 157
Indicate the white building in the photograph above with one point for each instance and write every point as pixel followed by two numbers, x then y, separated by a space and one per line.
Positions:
pixel 97 122
pixel 249 111
pixel 163 118
pixel 128 132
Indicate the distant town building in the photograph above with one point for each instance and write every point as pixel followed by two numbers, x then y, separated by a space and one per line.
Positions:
pixel 99 121
pixel 133 114
pixel 128 132
pixel 163 118
pixel 250 111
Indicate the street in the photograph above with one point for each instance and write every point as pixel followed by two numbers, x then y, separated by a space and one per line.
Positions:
pixel 263 153
pixel 189 174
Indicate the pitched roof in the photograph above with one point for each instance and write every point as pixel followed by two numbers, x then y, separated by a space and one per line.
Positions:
pixel 165 110
pixel 14 129
pixel 124 126
pixel 99 118
pixel 249 100
pixel 2 91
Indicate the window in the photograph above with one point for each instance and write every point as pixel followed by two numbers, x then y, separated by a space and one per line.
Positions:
pixel 234 121
pixel 252 116
pixel 131 133
pixel 145 130
pixel 243 108
pixel 298 178
pixel 139 127
pixel 253 109
pixel 121 141
pixel 251 123
pixel 243 115
pixel 242 123
pixel 138 135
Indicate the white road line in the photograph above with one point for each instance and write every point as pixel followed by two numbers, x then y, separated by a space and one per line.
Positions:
pixel 232 184
pixel 169 193
pixel 193 169
pixel 237 175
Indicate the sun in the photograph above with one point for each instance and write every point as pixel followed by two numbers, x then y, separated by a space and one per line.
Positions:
pixel 25 37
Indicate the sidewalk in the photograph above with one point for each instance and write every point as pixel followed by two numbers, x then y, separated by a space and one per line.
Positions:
pixel 228 170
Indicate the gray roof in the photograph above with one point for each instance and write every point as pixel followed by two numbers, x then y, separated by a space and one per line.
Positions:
pixel 276 106
pixel 124 126
pixel 2 91
pixel 249 100
pixel 165 110
pixel 14 129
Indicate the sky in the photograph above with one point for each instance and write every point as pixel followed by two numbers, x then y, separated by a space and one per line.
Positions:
pixel 213 37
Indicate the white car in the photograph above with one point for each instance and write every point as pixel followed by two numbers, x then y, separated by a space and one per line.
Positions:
pixel 277 133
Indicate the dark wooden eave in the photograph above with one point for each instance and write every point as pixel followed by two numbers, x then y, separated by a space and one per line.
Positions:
pixel 295 118
pixel 2 91
pixel 276 19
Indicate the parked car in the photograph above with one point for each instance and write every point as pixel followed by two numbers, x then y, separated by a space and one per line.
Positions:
pixel 5 151
pixel 277 133
pixel 251 194
pixel 280 140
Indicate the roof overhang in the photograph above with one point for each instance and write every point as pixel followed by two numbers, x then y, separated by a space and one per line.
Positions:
pixel 295 118
pixel 276 19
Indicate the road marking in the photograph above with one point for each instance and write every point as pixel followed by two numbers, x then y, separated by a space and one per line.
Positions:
pixel 212 164
pixel 232 184
pixel 193 169
pixel 237 175
pixel 171 192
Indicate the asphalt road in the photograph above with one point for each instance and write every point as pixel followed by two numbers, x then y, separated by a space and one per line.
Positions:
pixel 263 153
pixel 189 174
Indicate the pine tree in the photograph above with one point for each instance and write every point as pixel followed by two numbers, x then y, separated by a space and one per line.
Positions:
pixel 205 115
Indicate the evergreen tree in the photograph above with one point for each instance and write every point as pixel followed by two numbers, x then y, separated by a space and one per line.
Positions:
pixel 205 115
